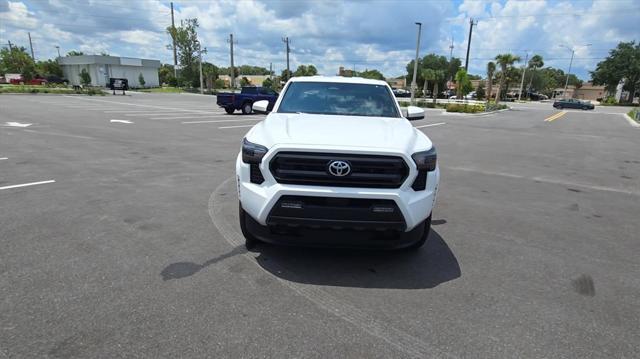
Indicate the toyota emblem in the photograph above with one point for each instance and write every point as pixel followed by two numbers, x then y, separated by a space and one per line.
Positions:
pixel 339 168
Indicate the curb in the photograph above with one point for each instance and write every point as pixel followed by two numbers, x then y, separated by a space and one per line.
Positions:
pixel 631 121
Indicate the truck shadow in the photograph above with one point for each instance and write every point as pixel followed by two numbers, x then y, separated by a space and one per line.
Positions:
pixel 427 267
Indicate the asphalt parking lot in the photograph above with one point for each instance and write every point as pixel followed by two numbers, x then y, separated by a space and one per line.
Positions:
pixel 119 238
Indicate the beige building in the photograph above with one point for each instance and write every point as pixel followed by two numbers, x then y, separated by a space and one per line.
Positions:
pixel 398 83
pixel 254 80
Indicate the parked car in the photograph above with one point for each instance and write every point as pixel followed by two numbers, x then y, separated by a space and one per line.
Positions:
pixel 338 157
pixel 573 103
pixel 33 81
pixel 53 79
pixel 401 93
pixel 245 99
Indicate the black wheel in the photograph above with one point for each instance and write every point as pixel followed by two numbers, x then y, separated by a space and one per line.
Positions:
pixel 250 240
pixel 247 108
pixel 425 235
pixel 229 110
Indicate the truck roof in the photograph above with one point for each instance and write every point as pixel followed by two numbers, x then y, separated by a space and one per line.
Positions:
pixel 340 79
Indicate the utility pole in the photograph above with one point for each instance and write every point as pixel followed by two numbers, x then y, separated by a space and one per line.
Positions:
pixel 58 48
pixel 415 65
pixel 271 71
pixel 31 46
pixel 524 70
pixel 573 51
pixel 471 25
pixel 173 37
pixel 233 75
pixel 286 41
pixel 451 49
pixel 201 85
pixel 10 45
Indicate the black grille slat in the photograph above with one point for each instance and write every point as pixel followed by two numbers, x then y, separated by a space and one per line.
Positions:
pixel 371 171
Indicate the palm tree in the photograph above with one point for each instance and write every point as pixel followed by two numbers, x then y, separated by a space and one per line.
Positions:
pixel 491 70
pixel 427 75
pixel 438 75
pixel 536 62
pixel 505 61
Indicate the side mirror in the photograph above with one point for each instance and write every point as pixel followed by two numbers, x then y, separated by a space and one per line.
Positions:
pixel 414 113
pixel 260 106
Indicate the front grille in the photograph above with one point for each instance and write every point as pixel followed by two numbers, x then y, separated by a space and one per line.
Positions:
pixel 371 171
pixel 336 213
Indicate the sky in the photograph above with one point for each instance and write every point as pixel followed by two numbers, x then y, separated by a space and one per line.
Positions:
pixel 366 34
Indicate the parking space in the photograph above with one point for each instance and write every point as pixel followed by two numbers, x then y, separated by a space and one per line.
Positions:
pixel 119 238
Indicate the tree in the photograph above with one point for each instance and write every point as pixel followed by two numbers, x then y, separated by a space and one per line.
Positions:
pixel 427 75
pixel 303 70
pixel 505 61
pixel 85 78
pixel 17 60
pixel 480 94
pixel 188 48
pixel 371 74
pixel 141 80
pixel 49 68
pixel 210 73
pixel 439 76
pixel 285 75
pixel 267 83
pixel 244 81
pixel 463 84
pixel 622 64
pixel 491 70
pixel 166 75
pixel 75 53
pixel 536 62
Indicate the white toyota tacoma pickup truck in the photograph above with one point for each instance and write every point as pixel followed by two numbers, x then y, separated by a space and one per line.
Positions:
pixel 337 163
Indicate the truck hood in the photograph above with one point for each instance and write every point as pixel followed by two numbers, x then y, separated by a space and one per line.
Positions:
pixel 379 133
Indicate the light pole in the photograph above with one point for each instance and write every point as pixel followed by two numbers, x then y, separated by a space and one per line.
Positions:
pixel 415 65
pixel 58 48
pixel 573 51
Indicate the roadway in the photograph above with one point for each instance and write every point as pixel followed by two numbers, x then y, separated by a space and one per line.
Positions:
pixel 119 238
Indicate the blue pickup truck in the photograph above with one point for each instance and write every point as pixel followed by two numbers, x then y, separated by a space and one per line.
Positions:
pixel 245 99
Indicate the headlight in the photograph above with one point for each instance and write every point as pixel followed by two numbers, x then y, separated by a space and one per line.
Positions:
pixel 426 160
pixel 251 152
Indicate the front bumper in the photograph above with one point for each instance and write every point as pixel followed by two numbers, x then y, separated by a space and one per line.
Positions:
pixel 258 200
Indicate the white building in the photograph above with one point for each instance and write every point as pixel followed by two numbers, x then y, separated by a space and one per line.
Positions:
pixel 101 68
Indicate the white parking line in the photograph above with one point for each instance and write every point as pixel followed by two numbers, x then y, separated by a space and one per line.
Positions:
pixel 187 117
pixel 432 124
pixel 157 114
pixel 4 158
pixel 26 184
pixel 235 126
pixel 135 104
pixel 216 121
pixel 120 121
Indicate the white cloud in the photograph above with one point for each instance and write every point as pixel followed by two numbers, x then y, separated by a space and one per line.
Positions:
pixel 328 34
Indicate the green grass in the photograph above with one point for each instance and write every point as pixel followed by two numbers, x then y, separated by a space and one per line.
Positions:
pixel 9 89
pixel 162 90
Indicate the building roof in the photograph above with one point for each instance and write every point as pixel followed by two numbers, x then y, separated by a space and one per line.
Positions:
pixel 107 60
pixel 339 79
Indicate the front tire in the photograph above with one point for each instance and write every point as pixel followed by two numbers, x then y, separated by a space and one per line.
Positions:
pixel 250 241
pixel 247 108
pixel 425 235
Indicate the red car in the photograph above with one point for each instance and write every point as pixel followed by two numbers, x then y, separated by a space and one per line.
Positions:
pixel 35 81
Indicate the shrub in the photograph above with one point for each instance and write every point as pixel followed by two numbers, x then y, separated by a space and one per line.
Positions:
pixel 493 107
pixel 464 108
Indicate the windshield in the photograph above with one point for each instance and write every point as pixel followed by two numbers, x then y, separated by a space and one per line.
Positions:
pixel 331 98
